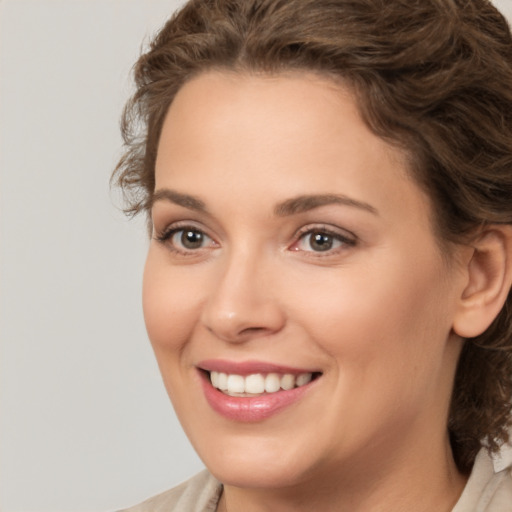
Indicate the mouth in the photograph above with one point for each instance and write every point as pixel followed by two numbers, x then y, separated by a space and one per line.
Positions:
pixel 253 391
pixel 258 384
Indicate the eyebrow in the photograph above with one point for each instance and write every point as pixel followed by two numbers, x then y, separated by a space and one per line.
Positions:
pixel 305 203
pixel 299 204
pixel 185 200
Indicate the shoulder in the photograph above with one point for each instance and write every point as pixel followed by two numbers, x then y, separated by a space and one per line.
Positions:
pixel 489 488
pixel 199 494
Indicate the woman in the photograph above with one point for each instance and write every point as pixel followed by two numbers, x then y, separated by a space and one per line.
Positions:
pixel 328 186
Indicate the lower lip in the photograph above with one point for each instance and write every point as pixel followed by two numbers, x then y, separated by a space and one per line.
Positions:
pixel 251 409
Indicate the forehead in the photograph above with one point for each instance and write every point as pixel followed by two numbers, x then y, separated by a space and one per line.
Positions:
pixel 258 115
pixel 263 138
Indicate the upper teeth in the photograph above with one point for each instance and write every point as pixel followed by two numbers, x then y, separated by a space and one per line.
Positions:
pixel 257 383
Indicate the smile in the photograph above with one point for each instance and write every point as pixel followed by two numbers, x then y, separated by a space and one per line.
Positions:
pixel 257 384
pixel 253 391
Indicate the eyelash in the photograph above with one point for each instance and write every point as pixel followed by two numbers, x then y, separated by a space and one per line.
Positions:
pixel 346 241
pixel 166 237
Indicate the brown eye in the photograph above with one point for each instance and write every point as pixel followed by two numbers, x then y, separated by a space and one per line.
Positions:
pixel 320 241
pixel 191 239
pixel 187 239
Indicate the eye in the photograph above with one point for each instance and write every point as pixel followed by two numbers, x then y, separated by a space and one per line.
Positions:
pixel 185 239
pixel 322 240
pixel 189 239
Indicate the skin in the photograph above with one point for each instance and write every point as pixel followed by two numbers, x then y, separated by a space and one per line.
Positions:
pixel 374 314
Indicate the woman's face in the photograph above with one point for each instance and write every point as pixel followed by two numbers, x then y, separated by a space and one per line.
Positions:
pixel 291 248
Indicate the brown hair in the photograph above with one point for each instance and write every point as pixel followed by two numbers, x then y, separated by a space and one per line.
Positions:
pixel 433 77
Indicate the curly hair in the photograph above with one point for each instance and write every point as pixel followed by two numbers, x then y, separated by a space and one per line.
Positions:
pixel 433 77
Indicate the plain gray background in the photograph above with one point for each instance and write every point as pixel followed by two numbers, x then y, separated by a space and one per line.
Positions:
pixel 85 422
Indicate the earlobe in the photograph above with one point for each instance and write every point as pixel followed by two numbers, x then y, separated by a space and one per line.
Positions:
pixel 489 278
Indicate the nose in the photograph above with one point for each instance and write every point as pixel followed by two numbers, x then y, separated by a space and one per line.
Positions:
pixel 243 304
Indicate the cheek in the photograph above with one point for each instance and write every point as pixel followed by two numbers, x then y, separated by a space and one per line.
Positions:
pixel 386 336
pixel 383 320
pixel 170 305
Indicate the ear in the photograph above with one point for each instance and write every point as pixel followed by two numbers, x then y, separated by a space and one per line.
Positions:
pixel 488 281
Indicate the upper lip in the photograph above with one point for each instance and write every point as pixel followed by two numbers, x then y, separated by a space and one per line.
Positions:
pixel 249 367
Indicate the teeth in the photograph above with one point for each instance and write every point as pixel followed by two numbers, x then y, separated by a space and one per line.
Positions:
pixel 236 384
pixel 257 383
pixel 303 379
pixel 272 383
pixel 222 381
pixel 287 381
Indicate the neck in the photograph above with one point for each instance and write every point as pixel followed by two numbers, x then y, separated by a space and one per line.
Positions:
pixel 421 482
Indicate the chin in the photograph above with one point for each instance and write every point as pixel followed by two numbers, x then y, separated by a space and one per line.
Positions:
pixel 256 474
pixel 256 462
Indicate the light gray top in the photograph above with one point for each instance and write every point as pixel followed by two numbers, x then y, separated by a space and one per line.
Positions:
pixel 489 489
pixel 199 494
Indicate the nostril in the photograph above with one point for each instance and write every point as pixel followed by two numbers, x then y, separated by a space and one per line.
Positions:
pixel 252 330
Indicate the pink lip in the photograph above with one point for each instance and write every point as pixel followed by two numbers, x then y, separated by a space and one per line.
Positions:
pixel 249 409
pixel 248 367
